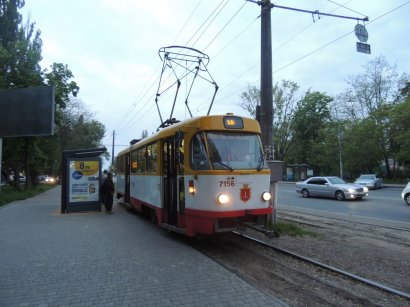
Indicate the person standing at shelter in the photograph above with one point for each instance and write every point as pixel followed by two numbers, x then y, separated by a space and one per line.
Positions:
pixel 107 191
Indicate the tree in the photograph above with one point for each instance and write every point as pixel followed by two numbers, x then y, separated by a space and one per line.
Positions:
pixel 60 77
pixel 361 153
pixel 284 102
pixel 311 116
pixel 401 128
pixel 20 56
pixel 369 96
pixel 250 100
pixel 20 48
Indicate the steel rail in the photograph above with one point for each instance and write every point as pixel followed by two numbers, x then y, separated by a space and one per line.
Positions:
pixel 351 221
pixel 328 267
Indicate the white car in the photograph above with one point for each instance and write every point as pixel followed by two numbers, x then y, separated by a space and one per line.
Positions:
pixel 371 181
pixel 330 186
pixel 405 194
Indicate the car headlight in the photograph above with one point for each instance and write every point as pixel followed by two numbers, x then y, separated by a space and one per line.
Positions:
pixel 266 196
pixel 222 199
pixel 350 190
pixel 365 189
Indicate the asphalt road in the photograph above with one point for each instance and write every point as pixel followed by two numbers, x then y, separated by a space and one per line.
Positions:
pixel 384 203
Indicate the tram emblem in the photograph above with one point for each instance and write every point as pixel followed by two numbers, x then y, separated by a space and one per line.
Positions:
pixel 245 193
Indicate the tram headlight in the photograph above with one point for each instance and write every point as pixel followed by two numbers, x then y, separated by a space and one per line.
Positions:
pixel 191 187
pixel 222 199
pixel 266 196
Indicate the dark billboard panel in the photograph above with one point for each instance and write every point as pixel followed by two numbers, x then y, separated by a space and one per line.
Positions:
pixel 27 111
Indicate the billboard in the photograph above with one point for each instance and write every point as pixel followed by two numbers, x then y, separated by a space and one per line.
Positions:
pixel 84 180
pixel 27 111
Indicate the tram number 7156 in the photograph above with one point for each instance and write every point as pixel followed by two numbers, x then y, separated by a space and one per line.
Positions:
pixel 229 182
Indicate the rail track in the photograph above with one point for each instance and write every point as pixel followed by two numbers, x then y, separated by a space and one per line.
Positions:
pixel 348 220
pixel 294 278
pixel 352 276
pixel 377 231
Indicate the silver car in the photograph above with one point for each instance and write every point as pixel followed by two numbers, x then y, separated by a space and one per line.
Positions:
pixel 405 194
pixel 371 181
pixel 333 187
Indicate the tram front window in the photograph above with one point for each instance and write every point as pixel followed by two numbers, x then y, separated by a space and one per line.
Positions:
pixel 235 150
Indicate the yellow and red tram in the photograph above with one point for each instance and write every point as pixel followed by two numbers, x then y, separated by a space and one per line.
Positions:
pixel 201 176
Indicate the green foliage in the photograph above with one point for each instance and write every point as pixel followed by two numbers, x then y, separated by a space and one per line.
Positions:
pixel 284 102
pixel 291 230
pixel 401 131
pixel 361 154
pixel 60 77
pixel 310 118
pixel 20 48
pixel 250 100
pixel 365 127
pixel 20 56
pixel 9 194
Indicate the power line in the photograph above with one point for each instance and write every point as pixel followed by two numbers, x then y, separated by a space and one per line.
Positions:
pixel 124 123
pixel 310 53
pixel 204 22
pixel 226 24
pixel 215 13
pixel 343 6
pixel 186 22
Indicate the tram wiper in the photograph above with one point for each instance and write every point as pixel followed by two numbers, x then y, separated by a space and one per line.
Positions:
pixel 260 163
pixel 224 164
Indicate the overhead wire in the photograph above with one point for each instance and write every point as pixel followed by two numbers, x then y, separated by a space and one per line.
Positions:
pixel 343 6
pixel 297 60
pixel 215 13
pixel 310 53
pixel 123 123
pixel 276 49
pixel 205 21
pixel 225 25
pixel 208 21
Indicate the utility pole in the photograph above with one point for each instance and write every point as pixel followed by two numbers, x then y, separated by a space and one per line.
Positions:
pixel 112 152
pixel 266 109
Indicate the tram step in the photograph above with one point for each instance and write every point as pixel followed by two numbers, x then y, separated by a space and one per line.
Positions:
pixel 173 228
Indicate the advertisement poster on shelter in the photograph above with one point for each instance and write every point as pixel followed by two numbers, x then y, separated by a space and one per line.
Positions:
pixel 84 182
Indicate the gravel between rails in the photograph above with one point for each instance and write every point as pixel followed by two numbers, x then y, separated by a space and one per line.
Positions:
pixel 370 251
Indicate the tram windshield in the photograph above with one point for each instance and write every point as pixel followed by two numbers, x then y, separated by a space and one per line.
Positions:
pixel 227 151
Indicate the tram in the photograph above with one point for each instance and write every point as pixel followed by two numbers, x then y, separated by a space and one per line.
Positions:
pixel 201 176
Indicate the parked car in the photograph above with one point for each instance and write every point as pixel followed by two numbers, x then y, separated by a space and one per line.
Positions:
pixel 405 194
pixel 50 180
pixel 371 181
pixel 331 186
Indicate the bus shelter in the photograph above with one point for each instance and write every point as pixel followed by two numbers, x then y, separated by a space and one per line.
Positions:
pixel 81 180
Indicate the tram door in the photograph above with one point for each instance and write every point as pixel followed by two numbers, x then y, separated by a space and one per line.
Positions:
pixel 170 180
pixel 127 178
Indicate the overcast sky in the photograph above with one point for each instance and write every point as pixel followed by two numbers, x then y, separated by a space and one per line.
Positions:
pixel 111 47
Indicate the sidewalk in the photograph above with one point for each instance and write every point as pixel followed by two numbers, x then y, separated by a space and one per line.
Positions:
pixel 97 259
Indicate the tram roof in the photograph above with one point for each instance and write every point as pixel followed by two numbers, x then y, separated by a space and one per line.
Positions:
pixel 202 123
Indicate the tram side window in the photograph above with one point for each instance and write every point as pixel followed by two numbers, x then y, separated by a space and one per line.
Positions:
pixel 134 163
pixel 199 159
pixel 121 164
pixel 141 160
pixel 152 158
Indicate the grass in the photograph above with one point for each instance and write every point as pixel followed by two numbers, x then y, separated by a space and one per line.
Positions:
pixel 10 193
pixel 289 229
